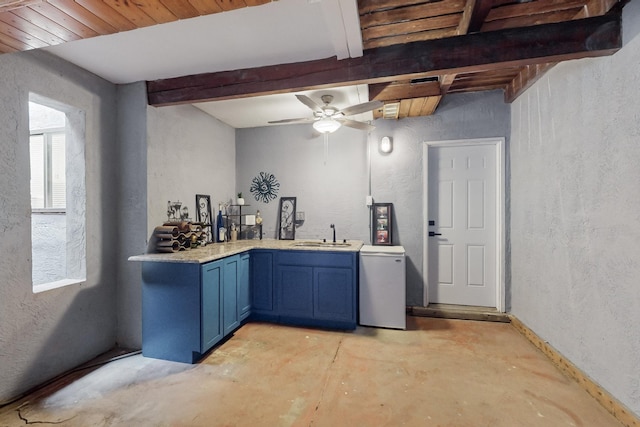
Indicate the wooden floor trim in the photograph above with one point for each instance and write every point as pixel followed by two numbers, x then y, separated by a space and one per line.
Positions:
pixel 610 403
pixel 448 311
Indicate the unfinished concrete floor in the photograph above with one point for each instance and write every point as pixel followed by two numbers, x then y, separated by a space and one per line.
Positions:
pixel 437 373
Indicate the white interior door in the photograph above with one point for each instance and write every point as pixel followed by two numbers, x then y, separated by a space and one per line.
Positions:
pixel 462 228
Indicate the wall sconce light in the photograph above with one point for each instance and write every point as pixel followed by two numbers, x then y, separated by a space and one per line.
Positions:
pixel 386 145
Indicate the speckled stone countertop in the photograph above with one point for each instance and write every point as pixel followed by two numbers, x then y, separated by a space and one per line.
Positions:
pixel 216 251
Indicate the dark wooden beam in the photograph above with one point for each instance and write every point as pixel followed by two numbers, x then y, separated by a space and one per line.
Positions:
pixel 590 37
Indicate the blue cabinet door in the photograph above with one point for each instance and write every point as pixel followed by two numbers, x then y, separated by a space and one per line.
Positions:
pixel 295 291
pixel 211 316
pixel 244 291
pixel 230 318
pixel 334 294
pixel 262 292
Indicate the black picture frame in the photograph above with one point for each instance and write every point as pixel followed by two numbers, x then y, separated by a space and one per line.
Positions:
pixel 203 215
pixel 381 224
pixel 286 218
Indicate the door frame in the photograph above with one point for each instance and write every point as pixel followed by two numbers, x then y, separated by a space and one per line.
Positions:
pixel 499 143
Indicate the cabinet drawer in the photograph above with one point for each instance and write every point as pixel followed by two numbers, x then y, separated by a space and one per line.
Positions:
pixel 316 258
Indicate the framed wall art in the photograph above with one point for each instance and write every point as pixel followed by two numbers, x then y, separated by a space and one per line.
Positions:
pixel 203 215
pixel 381 224
pixel 286 218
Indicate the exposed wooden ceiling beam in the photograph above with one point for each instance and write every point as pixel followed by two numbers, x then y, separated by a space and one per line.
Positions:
pixel 401 90
pixel 475 12
pixel 532 73
pixel 409 13
pixel 600 7
pixel 591 37
pixel 446 81
pixel 527 77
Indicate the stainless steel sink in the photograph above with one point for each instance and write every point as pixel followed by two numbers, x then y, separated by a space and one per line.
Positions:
pixel 321 244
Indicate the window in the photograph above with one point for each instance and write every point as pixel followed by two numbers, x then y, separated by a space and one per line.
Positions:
pixel 48 170
pixel 57 190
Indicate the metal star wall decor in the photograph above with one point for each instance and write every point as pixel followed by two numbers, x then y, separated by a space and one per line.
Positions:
pixel 264 187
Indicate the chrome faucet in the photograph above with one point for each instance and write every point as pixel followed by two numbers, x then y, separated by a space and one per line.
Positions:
pixel 334 232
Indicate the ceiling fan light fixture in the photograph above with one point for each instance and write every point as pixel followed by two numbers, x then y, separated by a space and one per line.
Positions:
pixel 326 125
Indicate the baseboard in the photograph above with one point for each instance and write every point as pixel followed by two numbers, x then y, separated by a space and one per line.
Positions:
pixel 610 403
pixel 446 311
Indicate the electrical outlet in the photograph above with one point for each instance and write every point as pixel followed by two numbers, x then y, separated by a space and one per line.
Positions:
pixel 369 201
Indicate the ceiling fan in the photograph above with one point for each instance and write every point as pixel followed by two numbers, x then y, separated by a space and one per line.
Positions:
pixel 327 118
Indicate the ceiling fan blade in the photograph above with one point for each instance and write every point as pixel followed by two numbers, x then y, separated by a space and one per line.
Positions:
pixel 356 125
pixel 300 120
pixel 361 108
pixel 309 103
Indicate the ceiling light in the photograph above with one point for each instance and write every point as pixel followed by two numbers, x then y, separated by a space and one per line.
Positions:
pixel 326 125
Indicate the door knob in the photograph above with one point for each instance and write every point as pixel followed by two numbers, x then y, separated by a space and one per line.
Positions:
pixel 433 233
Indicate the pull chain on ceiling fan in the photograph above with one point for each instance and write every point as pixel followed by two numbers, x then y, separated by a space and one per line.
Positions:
pixel 327 118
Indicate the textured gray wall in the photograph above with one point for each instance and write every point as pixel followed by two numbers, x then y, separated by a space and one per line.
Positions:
pixel 189 153
pixel 331 193
pixel 48 247
pixel 335 192
pixel 42 335
pixel 132 209
pixel 575 231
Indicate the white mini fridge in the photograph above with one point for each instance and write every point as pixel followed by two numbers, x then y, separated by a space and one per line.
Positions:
pixel 382 287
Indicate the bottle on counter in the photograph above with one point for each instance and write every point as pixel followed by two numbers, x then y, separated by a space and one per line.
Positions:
pixel 259 223
pixel 234 232
pixel 219 225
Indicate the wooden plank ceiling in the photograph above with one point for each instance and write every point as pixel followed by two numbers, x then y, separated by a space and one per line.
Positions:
pixel 389 22
pixel 30 24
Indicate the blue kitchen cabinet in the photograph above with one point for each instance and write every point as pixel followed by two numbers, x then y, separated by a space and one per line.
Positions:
pixel 333 294
pixel 263 305
pixel 189 308
pixel 317 288
pixel 212 279
pixel 244 287
pixel 181 317
pixel 295 291
pixel 230 318
pixel 171 311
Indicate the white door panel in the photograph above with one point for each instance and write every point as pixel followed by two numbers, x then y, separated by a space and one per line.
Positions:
pixel 462 200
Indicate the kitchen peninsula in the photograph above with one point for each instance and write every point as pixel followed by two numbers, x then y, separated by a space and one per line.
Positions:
pixel 192 300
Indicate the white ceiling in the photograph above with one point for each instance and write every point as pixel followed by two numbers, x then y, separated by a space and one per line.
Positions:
pixel 255 112
pixel 279 32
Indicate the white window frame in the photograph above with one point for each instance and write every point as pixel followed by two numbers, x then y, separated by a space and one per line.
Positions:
pixel 48 141
pixel 75 211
